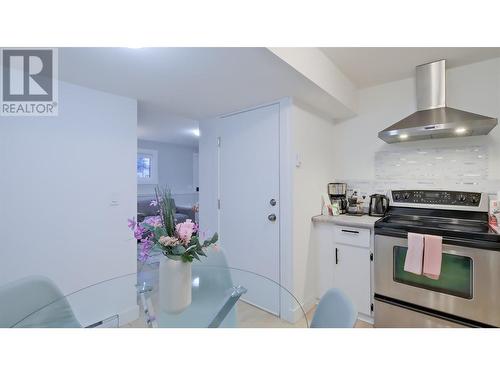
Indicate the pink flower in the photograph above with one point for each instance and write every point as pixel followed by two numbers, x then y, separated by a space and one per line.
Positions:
pixel 146 246
pixel 154 221
pixel 131 223
pixel 185 230
pixel 139 232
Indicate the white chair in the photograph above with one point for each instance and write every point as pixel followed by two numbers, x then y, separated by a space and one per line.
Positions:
pixel 35 301
pixel 335 310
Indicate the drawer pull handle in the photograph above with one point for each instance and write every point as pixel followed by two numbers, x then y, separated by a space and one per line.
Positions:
pixel 350 231
pixel 336 256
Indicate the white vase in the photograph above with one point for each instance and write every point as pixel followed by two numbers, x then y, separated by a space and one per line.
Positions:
pixel 174 285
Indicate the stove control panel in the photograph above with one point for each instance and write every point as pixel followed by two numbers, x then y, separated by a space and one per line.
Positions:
pixel 438 197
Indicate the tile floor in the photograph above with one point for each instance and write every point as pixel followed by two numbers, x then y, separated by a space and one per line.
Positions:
pixel 253 317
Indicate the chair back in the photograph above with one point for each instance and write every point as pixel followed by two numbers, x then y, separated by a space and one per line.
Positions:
pixel 335 310
pixel 23 297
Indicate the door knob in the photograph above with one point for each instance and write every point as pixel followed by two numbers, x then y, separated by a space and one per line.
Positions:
pixel 272 202
pixel 272 217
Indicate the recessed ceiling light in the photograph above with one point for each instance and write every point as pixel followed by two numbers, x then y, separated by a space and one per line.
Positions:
pixel 460 130
pixel 403 136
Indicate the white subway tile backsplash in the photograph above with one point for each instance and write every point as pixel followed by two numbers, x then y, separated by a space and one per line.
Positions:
pixel 432 163
pixel 464 168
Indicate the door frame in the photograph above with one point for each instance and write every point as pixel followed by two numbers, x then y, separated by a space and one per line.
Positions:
pixel 287 310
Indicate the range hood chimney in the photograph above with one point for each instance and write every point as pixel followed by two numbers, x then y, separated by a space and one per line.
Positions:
pixel 433 119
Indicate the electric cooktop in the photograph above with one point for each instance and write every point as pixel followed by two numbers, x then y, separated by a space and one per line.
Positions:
pixel 460 218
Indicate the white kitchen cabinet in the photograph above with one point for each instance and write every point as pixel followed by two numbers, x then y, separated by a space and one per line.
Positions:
pixel 345 262
pixel 351 274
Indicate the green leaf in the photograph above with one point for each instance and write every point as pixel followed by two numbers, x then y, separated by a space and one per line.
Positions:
pixel 178 250
pixel 215 238
pixel 211 241
pixel 194 241
pixel 147 226
pixel 167 209
pixel 200 252
pixel 157 247
pixel 159 232
pixel 191 248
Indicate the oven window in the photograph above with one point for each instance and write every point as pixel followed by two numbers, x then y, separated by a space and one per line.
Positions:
pixel 455 278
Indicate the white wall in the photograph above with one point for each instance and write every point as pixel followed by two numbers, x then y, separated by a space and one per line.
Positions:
pixel 209 180
pixel 196 169
pixel 474 88
pixel 175 170
pixel 59 176
pixel 312 146
pixel 313 64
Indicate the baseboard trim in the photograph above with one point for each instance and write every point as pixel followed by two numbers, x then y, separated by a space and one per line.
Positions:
pixel 366 318
pixel 294 314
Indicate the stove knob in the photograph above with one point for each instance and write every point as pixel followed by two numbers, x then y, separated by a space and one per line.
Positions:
pixel 474 199
pixel 462 198
pixel 396 197
pixel 406 196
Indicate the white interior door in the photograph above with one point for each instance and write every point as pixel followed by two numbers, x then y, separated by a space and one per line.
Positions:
pixel 248 181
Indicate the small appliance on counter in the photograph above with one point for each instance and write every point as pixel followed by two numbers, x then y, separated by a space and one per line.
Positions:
pixel 337 192
pixel 379 204
pixel 355 205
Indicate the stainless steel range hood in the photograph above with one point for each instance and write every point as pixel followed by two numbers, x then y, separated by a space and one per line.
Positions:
pixel 433 119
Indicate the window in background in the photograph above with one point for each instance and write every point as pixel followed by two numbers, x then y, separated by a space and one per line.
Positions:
pixel 143 166
pixel 147 166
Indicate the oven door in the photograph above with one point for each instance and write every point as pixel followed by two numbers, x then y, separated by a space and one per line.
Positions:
pixel 467 288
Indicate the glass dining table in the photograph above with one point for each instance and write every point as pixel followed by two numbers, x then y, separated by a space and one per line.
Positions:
pixel 222 297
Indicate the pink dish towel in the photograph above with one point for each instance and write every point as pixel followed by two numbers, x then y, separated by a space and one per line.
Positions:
pixel 433 254
pixel 415 253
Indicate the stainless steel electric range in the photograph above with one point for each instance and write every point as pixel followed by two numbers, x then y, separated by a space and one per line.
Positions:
pixel 467 293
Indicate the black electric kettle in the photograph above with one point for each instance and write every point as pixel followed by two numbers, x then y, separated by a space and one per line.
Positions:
pixel 379 205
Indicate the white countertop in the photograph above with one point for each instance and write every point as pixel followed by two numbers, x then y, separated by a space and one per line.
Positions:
pixel 364 221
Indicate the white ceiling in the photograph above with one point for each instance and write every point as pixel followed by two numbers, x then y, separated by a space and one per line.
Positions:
pixel 156 124
pixel 175 86
pixel 373 66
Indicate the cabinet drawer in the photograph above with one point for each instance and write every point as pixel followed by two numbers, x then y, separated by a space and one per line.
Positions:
pixel 352 236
